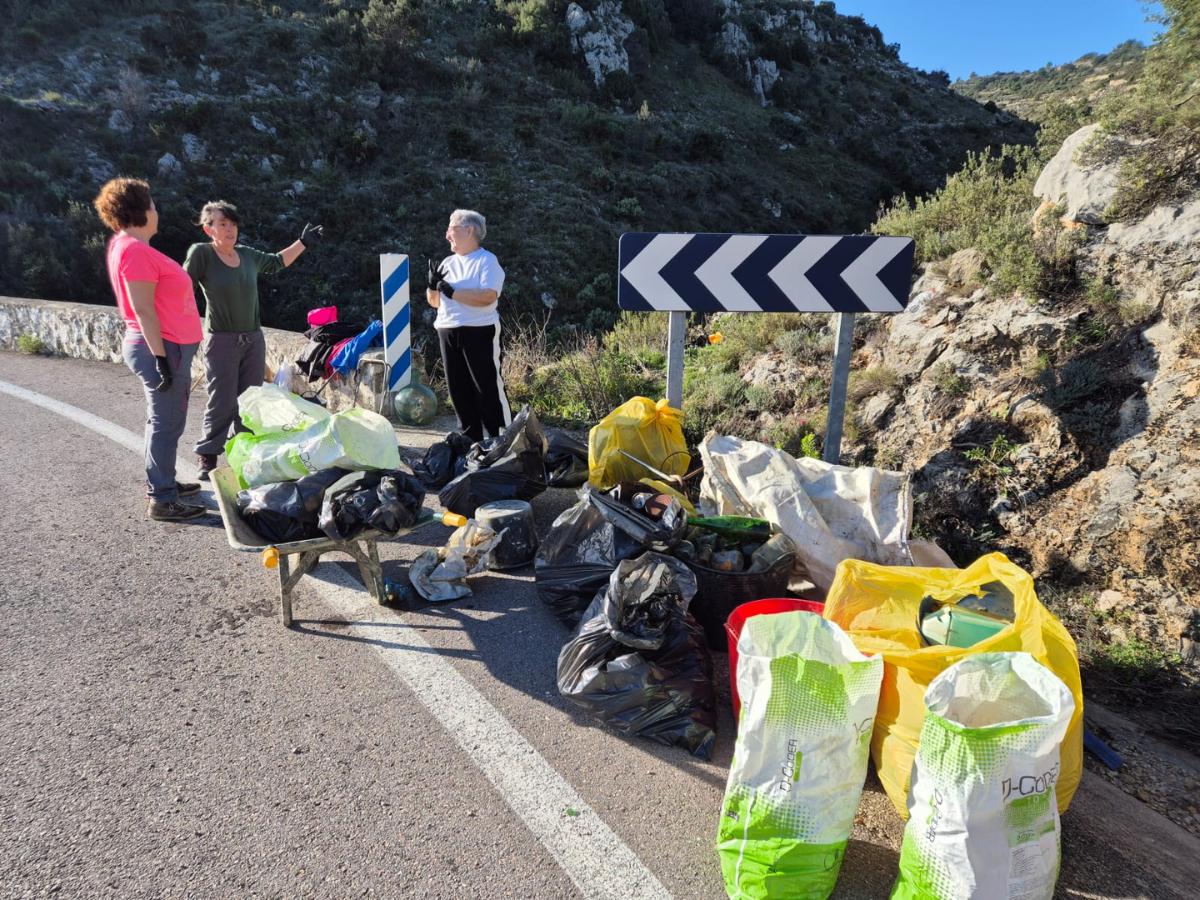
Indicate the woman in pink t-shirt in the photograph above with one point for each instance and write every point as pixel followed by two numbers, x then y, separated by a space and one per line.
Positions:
pixel 162 331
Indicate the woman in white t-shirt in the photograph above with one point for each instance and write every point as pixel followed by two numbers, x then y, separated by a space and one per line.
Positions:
pixel 465 291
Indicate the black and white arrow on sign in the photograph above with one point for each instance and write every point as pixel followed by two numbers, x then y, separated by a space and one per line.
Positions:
pixel 763 273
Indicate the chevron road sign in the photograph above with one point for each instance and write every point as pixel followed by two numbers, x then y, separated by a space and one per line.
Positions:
pixel 710 273
pixel 397 340
pixel 764 273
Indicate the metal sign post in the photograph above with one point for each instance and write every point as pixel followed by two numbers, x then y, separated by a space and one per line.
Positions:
pixel 397 336
pixel 682 273
pixel 843 339
pixel 676 330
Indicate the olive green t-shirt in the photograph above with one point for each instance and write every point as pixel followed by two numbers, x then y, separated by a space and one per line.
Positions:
pixel 230 295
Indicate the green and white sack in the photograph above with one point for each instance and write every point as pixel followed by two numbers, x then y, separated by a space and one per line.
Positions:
pixel 808 707
pixel 356 439
pixel 270 409
pixel 983 820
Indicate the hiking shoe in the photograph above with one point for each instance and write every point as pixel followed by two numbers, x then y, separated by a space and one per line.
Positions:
pixel 174 511
pixel 206 462
pixel 187 488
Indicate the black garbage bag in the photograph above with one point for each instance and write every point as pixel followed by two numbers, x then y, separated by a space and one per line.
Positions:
pixel 586 542
pixel 385 500
pixel 509 467
pixel 566 460
pixel 443 461
pixel 288 511
pixel 638 660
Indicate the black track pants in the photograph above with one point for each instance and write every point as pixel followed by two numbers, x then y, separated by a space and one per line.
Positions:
pixel 471 356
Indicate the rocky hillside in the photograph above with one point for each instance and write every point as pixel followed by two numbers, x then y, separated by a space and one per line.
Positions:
pixel 565 123
pixel 1064 429
pixel 1088 80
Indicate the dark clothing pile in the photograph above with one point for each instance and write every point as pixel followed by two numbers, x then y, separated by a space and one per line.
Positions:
pixel 323 342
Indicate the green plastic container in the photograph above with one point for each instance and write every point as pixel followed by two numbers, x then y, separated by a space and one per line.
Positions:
pixel 956 627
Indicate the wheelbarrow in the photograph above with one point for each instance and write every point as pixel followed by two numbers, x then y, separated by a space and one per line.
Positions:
pixel 364 548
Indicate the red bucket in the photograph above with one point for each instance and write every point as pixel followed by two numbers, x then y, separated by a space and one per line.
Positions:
pixel 737 618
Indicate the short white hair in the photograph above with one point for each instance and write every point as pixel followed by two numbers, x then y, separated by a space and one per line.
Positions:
pixel 473 220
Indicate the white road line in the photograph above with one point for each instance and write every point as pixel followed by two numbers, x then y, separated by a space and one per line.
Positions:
pixel 599 863
pixel 110 430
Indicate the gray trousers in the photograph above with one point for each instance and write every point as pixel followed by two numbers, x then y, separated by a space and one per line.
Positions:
pixel 234 361
pixel 166 413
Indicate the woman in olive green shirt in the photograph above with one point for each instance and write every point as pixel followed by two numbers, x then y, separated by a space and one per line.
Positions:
pixel 235 352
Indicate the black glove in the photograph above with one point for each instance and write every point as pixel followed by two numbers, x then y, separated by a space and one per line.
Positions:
pixel 431 275
pixel 443 285
pixel 311 234
pixel 165 378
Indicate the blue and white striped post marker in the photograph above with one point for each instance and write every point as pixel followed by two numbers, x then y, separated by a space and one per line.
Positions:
pixel 397 337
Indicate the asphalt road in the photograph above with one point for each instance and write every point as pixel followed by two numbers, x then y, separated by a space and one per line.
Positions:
pixel 162 735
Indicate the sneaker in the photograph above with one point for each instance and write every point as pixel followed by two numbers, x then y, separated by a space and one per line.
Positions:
pixel 187 488
pixel 174 511
pixel 207 462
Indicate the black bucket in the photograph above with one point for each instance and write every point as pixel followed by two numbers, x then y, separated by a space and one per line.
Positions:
pixel 515 519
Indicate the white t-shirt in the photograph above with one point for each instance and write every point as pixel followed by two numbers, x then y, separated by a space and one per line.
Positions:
pixel 478 270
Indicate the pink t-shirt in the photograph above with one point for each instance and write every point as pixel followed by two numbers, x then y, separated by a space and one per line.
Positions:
pixel 174 299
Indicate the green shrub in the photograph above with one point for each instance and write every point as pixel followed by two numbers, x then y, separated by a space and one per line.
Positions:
pixel 793 435
pixel 393 24
pixel 987 205
pixel 1132 661
pixel 1162 115
pixel 628 208
pixel 949 382
pixel 712 401
pixel 875 380
pixel 31 343
pixel 637 333
pixel 806 344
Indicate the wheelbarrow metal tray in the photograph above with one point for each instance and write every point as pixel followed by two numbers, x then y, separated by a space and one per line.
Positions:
pixel 242 537
pixel 362 548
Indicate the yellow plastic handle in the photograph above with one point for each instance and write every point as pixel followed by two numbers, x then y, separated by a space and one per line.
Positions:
pixel 454 520
pixel 270 558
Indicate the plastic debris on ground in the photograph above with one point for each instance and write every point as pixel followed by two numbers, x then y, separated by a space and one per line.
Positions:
pixel 587 541
pixel 639 662
pixel 354 439
pixel 878 606
pixel 651 432
pixel 566 460
pixel 808 706
pixel 983 821
pixel 830 512
pixel 443 461
pixel 441 575
pixel 289 510
pixel 509 467
pixel 386 501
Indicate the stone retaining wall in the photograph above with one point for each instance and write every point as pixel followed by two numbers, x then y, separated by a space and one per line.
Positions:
pixel 85 331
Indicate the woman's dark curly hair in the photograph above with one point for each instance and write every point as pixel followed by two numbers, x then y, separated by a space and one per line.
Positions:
pixel 224 207
pixel 123 203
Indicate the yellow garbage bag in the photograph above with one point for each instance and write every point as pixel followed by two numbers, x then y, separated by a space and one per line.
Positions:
pixel 652 432
pixel 877 606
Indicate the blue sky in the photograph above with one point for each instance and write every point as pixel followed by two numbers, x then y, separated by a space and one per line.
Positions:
pixel 982 36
